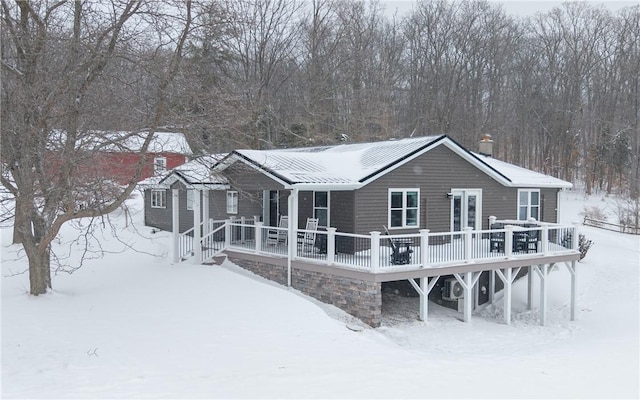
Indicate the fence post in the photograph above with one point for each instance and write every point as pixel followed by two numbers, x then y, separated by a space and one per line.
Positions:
pixel 375 251
pixel 424 247
pixel 258 228
pixel 508 241
pixel 468 237
pixel 175 227
pixel 243 221
pixel 545 238
pixel 331 245
pixel 575 237
pixel 227 233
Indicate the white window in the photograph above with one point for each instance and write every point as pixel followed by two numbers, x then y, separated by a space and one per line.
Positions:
pixel 190 199
pixel 528 204
pixel 321 208
pixel 159 165
pixel 404 208
pixel 158 198
pixel 232 202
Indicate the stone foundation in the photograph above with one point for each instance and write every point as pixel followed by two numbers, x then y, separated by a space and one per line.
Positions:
pixel 361 299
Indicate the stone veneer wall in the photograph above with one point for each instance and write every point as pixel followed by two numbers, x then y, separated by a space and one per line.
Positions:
pixel 361 299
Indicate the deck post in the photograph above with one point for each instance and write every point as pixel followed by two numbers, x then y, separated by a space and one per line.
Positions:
pixel 424 247
pixel 508 241
pixel 227 233
pixel 545 239
pixel 507 295
pixel 576 236
pixel 530 288
pixel 468 299
pixel 175 225
pixel 258 236
pixel 492 220
pixel 492 286
pixel 331 245
pixel 375 251
pixel 543 272
pixel 197 230
pixel 423 290
pixel 243 221
pixel 468 237
pixel 574 288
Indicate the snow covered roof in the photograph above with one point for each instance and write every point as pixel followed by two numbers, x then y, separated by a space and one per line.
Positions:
pixel 350 166
pixel 122 141
pixel 522 177
pixel 196 172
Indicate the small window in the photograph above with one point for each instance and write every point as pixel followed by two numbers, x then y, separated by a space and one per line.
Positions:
pixel 159 165
pixel 190 199
pixel 404 208
pixel 232 202
pixel 528 204
pixel 321 208
pixel 158 199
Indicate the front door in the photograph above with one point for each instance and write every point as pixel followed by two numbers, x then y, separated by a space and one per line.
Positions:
pixel 466 209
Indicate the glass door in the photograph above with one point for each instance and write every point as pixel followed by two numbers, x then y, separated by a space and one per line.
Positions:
pixel 466 209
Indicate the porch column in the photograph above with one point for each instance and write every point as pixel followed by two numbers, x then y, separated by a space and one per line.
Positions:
pixel 197 220
pixel 175 224
pixel 205 212
pixel 492 286
pixel 293 231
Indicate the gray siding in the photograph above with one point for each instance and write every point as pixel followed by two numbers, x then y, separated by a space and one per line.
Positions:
pixel 436 173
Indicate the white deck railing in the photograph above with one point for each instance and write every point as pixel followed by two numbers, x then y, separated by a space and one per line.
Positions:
pixel 375 253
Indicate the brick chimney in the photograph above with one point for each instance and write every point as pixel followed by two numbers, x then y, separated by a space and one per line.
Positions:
pixel 486 145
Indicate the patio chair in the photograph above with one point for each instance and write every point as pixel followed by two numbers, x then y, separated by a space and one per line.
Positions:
pixel 496 239
pixel 399 256
pixel 307 239
pixel 278 236
pixel 527 241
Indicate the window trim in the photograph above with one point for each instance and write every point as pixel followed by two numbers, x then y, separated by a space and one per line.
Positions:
pixel 404 192
pixel 539 205
pixel 190 201
pixel 157 168
pixel 232 207
pixel 162 193
pixel 322 208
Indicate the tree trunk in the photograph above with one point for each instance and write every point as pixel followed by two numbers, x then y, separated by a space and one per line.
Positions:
pixel 39 269
pixel 17 222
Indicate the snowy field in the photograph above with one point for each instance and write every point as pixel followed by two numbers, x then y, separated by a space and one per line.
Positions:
pixel 131 325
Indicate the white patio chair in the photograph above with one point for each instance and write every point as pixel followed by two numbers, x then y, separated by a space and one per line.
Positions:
pixel 277 236
pixel 307 239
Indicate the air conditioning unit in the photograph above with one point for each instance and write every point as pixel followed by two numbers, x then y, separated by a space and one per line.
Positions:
pixel 453 290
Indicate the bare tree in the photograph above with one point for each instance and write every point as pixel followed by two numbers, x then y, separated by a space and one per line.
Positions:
pixel 56 58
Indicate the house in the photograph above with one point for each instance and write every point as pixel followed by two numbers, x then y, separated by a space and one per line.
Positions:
pixel 193 177
pixel 115 156
pixel 434 198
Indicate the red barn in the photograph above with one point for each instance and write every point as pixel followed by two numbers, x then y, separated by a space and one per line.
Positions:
pixel 114 156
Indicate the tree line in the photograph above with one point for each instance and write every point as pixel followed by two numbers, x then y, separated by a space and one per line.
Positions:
pixel 558 91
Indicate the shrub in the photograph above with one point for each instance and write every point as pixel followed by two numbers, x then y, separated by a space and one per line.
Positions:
pixel 584 245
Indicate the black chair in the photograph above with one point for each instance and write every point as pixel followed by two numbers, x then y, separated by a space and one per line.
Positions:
pixel 399 256
pixel 496 239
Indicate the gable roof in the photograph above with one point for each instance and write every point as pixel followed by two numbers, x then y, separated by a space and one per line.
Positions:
pixel 195 173
pixel 351 166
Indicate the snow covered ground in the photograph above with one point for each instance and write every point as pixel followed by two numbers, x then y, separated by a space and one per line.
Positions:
pixel 131 325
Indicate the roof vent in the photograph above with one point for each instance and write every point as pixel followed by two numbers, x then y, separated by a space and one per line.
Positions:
pixel 486 145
